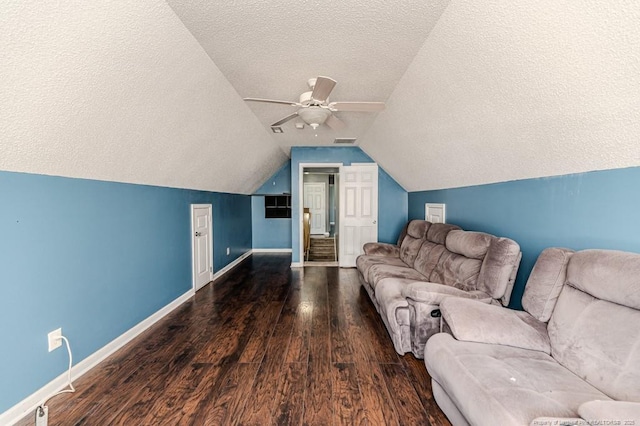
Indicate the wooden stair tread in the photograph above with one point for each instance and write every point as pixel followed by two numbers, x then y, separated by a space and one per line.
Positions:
pixel 322 249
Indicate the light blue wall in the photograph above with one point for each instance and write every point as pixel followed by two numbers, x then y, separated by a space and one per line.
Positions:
pixel 268 233
pixel 271 233
pixel 279 183
pixel 392 205
pixel 94 258
pixel 579 211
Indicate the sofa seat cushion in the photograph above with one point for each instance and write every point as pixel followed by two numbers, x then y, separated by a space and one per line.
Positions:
pixel 494 384
pixel 380 271
pixel 434 293
pixel 366 261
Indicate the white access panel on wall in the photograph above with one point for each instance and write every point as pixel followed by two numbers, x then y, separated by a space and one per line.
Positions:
pixel 358 210
pixel 435 213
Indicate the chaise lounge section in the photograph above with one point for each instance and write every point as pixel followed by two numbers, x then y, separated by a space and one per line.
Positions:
pixel 431 262
pixel 571 357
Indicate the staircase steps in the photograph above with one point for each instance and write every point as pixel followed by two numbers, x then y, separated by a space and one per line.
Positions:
pixel 322 249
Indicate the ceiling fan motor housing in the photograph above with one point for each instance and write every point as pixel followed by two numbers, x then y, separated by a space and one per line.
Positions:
pixel 306 99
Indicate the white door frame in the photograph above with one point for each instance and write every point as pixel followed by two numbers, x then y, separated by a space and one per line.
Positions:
pixel 193 243
pixel 301 167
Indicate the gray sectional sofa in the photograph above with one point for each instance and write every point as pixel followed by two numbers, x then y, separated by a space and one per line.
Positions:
pixel 571 357
pixel 430 263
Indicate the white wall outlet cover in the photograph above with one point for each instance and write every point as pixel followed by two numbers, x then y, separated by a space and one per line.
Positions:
pixel 228 251
pixel 55 339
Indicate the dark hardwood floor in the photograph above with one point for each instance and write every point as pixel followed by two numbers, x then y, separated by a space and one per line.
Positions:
pixel 264 345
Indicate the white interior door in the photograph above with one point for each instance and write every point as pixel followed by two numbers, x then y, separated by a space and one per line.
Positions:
pixel 358 210
pixel 315 198
pixel 202 244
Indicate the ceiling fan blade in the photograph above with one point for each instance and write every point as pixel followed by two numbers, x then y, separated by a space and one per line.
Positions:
pixel 284 120
pixel 357 106
pixel 272 101
pixel 322 89
pixel 334 122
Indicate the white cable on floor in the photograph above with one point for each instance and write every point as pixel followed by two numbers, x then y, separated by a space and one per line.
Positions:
pixel 69 384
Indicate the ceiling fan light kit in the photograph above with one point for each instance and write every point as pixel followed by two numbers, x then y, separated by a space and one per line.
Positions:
pixel 314 116
pixel 315 109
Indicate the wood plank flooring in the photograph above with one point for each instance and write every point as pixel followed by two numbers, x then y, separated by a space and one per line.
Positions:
pixel 265 345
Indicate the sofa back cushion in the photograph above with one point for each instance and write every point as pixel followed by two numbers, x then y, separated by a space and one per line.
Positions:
pixel 437 232
pixel 418 228
pixel 428 257
pixel 467 243
pixel 457 262
pixel 416 233
pixel 432 248
pixel 455 270
pixel 403 234
pixel 608 275
pixel 457 258
pixel 593 329
pixel 545 282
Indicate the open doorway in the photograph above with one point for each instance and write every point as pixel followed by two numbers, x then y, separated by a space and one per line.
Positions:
pixel 320 214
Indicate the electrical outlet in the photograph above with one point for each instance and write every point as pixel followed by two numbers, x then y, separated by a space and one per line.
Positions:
pixel 55 339
pixel 228 251
pixel 42 415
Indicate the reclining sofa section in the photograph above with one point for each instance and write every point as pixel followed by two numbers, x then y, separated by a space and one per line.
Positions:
pixel 571 357
pixel 431 262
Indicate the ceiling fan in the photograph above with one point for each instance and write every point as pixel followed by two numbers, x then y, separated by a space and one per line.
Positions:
pixel 315 109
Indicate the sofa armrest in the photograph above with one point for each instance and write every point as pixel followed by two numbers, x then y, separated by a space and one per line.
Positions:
pixel 615 412
pixel 482 323
pixel 381 249
pixel 434 293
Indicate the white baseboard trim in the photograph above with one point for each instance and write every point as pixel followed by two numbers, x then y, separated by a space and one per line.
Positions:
pixel 272 250
pixel 27 405
pixel 297 264
pixel 231 265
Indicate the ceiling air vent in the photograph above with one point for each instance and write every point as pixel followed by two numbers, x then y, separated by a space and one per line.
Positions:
pixel 345 141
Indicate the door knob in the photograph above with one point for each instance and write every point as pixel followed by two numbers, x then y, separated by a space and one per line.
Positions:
pixel 374 222
pixel 198 234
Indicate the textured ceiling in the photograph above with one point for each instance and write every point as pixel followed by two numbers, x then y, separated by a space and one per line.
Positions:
pixel 505 90
pixel 151 92
pixel 269 49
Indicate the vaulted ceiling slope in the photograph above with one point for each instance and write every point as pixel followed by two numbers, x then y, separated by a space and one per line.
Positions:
pixel 505 90
pixel 121 91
